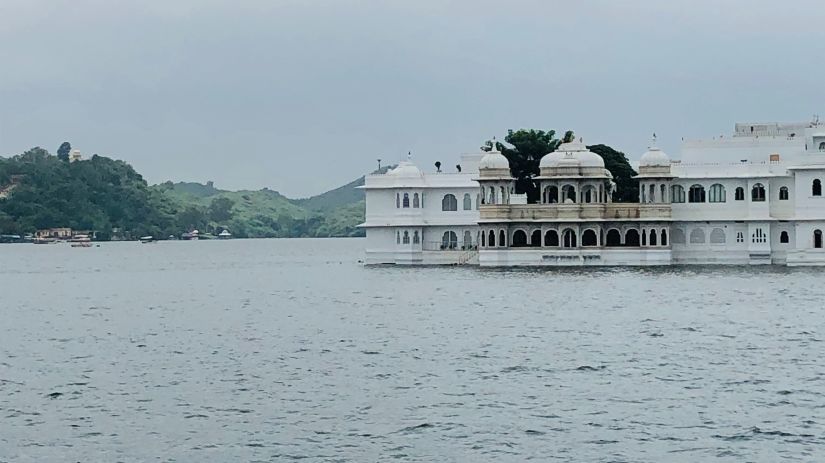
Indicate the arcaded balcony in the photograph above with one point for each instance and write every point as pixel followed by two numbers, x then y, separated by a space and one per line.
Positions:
pixel 562 212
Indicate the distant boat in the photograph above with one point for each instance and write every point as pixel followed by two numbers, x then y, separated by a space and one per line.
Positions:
pixel 191 236
pixel 81 241
pixel 147 239
pixel 224 235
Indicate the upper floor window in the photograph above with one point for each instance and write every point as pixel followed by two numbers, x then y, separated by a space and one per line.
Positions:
pixel 783 193
pixel 816 190
pixel 406 237
pixel 818 239
pixel 822 146
pixel 677 194
pixel 468 202
pixel 758 193
pixel 739 194
pixel 416 200
pixel 740 237
pixel 783 237
pixel 696 194
pixel 449 203
pixel 398 200
pixel 716 193
pixel 406 200
pixel 416 238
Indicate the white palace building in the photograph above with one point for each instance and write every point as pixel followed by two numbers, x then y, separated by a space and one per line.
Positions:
pixel 753 198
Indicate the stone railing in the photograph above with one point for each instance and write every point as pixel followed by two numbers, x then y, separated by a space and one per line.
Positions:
pixel 540 212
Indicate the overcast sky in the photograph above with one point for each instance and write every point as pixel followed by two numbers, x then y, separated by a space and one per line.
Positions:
pixel 302 96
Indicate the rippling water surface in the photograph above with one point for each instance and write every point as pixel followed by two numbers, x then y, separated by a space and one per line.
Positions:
pixel 274 350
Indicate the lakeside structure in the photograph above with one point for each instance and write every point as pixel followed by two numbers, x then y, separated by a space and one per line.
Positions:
pixel 753 198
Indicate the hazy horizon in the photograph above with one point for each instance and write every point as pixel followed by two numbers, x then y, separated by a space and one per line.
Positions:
pixel 301 97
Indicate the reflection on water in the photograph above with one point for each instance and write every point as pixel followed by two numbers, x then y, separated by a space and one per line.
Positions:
pixel 272 350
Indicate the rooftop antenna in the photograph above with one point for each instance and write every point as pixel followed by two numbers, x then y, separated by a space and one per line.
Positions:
pixel 409 155
pixel 816 120
pixel 379 165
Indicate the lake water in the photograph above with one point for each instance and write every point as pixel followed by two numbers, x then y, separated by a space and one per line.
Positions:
pixel 279 350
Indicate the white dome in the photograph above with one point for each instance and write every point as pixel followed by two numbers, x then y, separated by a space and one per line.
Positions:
pixel 591 159
pixel 405 169
pixel 551 159
pixel 494 160
pixel 654 157
pixel 573 153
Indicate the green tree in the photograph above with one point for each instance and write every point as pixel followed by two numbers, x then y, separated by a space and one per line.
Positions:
pixel 627 188
pixel 220 209
pixel 529 146
pixel 64 150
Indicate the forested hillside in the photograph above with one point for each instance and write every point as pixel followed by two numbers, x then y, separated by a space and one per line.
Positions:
pixel 38 190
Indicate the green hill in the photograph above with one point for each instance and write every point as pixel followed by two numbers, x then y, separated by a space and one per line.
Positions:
pixel 38 190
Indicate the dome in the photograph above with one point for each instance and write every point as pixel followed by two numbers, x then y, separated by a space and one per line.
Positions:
pixel 551 159
pixel 405 169
pixel 494 160
pixel 573 153
pixel 654 157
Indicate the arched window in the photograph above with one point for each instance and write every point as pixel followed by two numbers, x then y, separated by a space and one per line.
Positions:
pixel 589 238
pixel 568 194
pixel 468 202
pixel 739 194
pixel 551 238
pixel 589 195
pixel 502 240
pixel 503 195
pixel 468 239
pixel 740 237
pixel 535 238
pixel 569 238
pixel 653 237
pixel 759 236
pixel 678 236
pixel 696 194
pixel 406 237
pixel 783 237
pixel 758 193
pixel 492 240
pixel 652 196
pixel 716 194
pixel 697 236
pixel 717 236
pixel 416 200
pixel 449 203
pixel 478 200
pixel 818 239
pixel 822 146
pixel 519 239
pixel 663 194
pixel 816 190
pixel 449 240
pixel 398 237
pixel 614 238
pixel 664 237
pixel 677 194
pixel 406 201
pixel 551 195
pixel 398 201
pixel 492 198
pixel 783 193
pixel 416 238
pixel 631 237
pixel 483 239
pixel 644 238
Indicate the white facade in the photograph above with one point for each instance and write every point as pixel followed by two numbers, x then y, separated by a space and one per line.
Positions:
pixel 753 198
